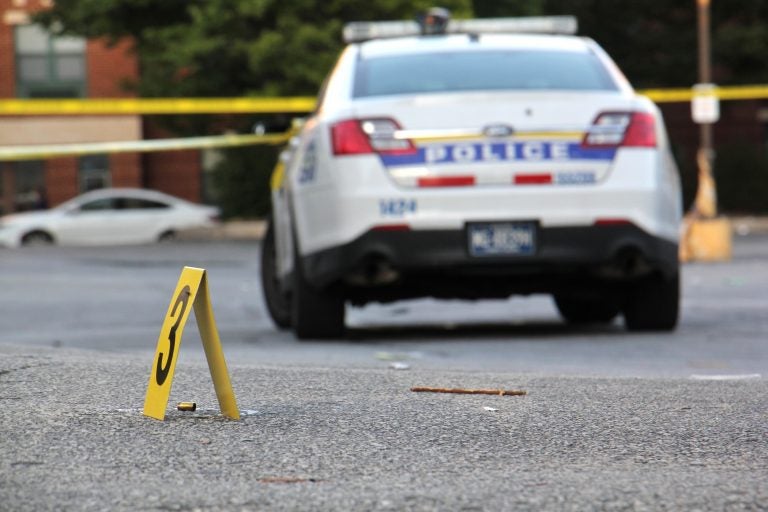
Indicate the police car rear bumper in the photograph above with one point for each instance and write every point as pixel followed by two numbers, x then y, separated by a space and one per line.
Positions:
pixel 391 265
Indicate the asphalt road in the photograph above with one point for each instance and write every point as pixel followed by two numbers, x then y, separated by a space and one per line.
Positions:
pixel 115 298
pixel 610 421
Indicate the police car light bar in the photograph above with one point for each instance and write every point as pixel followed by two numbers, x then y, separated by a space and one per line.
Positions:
pixel 534 24
pixel 359 31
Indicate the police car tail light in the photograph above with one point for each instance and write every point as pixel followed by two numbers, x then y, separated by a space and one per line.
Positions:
pixel 349 139
pixel 641 131
pixel 628 129
pixel 362 136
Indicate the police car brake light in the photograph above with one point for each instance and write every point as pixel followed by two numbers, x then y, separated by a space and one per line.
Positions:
pixel 361 136
pixel 360 31
pixel 641 131
pixel 347 138
pixel 613 129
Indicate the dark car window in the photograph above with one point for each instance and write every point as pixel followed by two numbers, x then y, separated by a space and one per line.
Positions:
pixel 108 203
pixel 134 203
pixel 481 70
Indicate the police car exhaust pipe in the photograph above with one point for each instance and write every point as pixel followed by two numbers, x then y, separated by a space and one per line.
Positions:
pixel 375 270
pixel 631 262
pixel 381 272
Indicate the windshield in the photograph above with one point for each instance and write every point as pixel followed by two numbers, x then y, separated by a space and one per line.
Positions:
pixel 481 71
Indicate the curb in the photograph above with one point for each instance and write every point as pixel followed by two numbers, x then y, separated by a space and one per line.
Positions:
pixel 230 230
pixel 749 225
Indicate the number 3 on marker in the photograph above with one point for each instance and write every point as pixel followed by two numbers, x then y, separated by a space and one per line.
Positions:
pixel 161 373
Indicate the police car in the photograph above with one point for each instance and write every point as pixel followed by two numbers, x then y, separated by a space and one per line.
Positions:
pixel 475 159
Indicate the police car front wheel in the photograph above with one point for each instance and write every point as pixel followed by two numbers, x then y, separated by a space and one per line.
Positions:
pixel 278 300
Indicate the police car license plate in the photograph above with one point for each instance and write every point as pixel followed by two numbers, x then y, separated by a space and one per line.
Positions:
pixel 501 238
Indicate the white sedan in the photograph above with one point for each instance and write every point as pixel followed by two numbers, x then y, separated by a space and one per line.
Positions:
pixel 468 162
pixel 109 216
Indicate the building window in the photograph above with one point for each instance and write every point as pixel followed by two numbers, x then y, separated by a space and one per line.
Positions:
pixel 49 66
pixel 94 172
pixel 29 180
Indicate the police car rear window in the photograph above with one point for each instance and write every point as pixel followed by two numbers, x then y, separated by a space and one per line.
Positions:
pixel 481 71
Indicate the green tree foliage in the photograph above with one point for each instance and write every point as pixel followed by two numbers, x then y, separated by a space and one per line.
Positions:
pixel 740 41
pixel 222 48
pixel 230 48
pixel 114 19
pixel 741 178
pixel 654 41
pixel 241 181
pixel 507 8
pixel 210 48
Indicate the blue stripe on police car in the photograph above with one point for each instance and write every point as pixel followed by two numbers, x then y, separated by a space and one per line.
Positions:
pixel 488 152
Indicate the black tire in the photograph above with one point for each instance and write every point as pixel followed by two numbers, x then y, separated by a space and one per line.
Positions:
pixel 653 305
pixel 277 299
pixel 587 310
pixel 167 236
pixel 317 313
pixel 34 238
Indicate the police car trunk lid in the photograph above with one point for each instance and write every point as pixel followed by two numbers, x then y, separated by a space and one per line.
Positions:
pixel 495 139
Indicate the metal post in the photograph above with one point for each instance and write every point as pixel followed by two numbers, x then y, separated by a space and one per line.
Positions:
pixel 706 197
pixel 705 236
pixel 705 67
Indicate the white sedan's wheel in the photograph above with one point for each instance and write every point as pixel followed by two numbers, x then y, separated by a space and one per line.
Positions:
pixel 36 238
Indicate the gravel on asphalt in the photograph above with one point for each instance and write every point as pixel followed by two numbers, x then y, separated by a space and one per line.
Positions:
pixel 72 437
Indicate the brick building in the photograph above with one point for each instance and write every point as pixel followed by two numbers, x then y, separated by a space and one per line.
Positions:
pixel 35 64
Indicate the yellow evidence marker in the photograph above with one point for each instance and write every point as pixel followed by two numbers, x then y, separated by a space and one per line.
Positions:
pixel 191 290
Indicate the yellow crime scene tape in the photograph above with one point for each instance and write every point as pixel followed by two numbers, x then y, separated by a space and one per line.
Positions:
pixel 190 106
pixel 289 105
pixel 9 153
pixel 145 106
pixel 741 92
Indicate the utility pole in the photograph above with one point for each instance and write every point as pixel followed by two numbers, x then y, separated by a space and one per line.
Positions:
pixel 705 236
pixel 706 197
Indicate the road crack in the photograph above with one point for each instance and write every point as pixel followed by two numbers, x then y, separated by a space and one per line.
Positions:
pixel 9 371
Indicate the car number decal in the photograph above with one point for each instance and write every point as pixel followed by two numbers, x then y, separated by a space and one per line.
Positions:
pixel 397 207
pixel 308 168
pixel 575 178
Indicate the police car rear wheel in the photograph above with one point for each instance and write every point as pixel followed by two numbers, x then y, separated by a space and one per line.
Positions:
pixel 580 310
pixel 317 313
pixel 653 305
pixel 278 301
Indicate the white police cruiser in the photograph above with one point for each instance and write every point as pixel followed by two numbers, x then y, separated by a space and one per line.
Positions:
pixel 475 159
